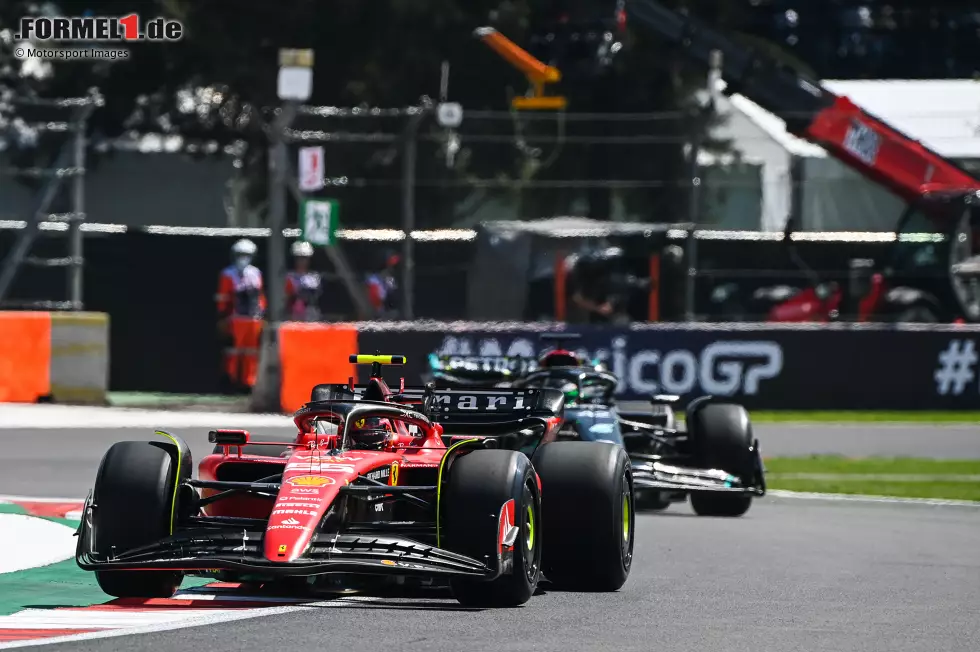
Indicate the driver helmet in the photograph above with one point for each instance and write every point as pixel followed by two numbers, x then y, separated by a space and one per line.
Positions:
pixel 559 358
pixel 371 433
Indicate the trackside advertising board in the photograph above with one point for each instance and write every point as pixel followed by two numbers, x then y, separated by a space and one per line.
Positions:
pixel 764 367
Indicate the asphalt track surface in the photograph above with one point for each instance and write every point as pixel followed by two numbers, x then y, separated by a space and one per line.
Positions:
pixel 63 463
pixel 790 576
pixel 807 575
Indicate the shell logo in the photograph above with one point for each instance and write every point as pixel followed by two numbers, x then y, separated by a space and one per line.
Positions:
pixel 310 481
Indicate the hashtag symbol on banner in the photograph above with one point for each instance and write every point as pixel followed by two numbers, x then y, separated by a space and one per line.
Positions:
pixel 956 365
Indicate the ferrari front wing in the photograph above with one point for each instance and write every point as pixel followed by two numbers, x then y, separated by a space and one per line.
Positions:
pixel 209 549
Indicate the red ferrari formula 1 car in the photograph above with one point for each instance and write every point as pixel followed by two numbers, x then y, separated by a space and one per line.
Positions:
pixel 463 486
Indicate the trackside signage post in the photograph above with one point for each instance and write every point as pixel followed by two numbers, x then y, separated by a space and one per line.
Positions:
pixel 294 84
pixel 311 174
pixel 318 220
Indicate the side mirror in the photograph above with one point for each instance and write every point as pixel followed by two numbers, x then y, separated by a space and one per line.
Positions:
pixel 228 437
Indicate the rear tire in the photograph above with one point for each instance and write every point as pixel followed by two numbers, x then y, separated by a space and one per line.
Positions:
pixel 651 500
pixel 133 495
pixel 588 506
pixel 721 437
pixel 480 484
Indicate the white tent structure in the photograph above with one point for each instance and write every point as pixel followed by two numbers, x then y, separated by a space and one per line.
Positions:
pixel 944 115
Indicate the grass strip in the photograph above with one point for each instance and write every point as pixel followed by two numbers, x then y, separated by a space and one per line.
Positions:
pixel 899 477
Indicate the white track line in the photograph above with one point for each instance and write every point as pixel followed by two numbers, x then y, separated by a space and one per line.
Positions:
pixel 863 498
pixel 31 499
pixel 208 619
pixel 28 542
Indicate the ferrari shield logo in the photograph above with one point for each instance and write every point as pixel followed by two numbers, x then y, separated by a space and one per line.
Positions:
pixel 393 479
pixel 310 481
pixel 282 549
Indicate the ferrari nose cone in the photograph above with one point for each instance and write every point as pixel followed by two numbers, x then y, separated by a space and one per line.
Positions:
pixel 296 515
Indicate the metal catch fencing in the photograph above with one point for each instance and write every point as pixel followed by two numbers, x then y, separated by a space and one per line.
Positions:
pixel 66 118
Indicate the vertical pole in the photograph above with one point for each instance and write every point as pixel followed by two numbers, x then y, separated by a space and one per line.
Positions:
pixel 653 296
pixel 444 82
pixel 561 286
pixel 690 255
pixel 694 203
pixel 266 393
pixel 75 269
pixel 277 221
pixel 408 215
pixel 690 248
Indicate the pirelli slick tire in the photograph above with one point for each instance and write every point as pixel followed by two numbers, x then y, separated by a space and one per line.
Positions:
pixel 651 500
pixel 721 438
pixel 484 488
pixel 588 505
pixel 133 498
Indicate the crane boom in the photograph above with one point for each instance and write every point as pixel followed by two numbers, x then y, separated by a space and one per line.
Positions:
pixel 850 134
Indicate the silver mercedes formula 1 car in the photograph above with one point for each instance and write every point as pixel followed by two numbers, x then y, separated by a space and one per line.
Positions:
pixel 714 458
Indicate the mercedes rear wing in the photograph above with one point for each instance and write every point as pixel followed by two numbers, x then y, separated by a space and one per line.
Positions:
pixel 458 370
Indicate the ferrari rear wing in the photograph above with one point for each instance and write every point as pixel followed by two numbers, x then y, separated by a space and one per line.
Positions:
pixel 463 405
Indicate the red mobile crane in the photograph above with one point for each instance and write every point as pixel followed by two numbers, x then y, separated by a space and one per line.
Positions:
pixel 930 184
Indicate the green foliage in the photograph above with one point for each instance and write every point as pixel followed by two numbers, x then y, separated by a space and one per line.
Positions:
pixel 388 53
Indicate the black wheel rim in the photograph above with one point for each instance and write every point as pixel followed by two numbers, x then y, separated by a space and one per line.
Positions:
pixel 530 533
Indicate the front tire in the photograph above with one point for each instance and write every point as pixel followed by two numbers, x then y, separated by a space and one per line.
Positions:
pixel 721 437
pixel 133 498
pixel 481 485
pixel 589 506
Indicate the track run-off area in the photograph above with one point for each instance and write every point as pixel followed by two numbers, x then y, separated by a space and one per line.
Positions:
pixel 796 573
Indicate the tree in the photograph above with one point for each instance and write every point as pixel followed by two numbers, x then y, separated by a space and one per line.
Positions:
pixel 217 85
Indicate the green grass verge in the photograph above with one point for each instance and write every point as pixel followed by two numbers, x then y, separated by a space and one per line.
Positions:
pixel 899 477
pixel 792 416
